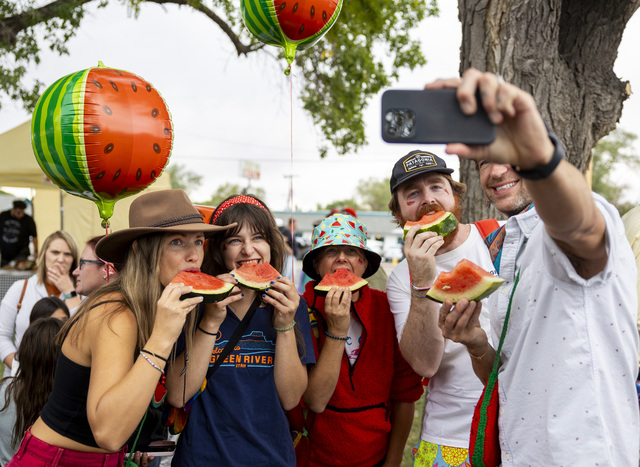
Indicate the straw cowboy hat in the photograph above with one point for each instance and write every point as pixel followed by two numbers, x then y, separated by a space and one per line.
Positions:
pixel 156 212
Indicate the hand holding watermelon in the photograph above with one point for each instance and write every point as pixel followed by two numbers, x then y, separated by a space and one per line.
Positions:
pixel 337 308
pixel 420 250
pixel 461 323
pixel 284 298
pixel 171 313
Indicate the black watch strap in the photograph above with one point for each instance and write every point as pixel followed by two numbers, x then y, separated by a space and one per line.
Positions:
pixel 543 171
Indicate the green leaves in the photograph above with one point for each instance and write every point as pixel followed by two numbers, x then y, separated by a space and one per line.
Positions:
pixel 342 73
pixel 361 54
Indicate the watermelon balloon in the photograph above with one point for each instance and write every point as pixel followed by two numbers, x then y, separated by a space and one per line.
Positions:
pixel 102 134
pixel 290 24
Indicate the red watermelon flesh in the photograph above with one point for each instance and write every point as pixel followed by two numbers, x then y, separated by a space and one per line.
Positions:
pixel 301 19
pixel 127 131
pixel 466 280
pixel 210 288
pixel 440 222
pixel 340 278
pixel 256 276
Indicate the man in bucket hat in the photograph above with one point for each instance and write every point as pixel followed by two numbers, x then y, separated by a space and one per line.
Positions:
pixel 361 392
pixel 421 183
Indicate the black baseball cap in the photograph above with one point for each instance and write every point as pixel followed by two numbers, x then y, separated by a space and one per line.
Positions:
pixel 416 163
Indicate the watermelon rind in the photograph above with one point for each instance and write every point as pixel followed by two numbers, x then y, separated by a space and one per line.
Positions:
pixel 216 292
pixel 256 276
pixel 338 279
pixel 444 225
pixel 485 284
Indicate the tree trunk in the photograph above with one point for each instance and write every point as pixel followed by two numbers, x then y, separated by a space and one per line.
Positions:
pixel 560 51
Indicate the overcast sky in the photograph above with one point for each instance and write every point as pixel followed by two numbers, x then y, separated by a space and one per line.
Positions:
pixel 226 109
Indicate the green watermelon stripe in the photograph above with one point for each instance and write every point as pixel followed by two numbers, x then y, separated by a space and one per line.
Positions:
pixel 43 141
pixel 35 132
pixel 72 175
pixel 75 137
pixel 262 22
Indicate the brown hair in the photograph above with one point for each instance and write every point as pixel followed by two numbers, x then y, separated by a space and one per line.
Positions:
pixel 38 356
pixel 257 217
pixel 73 246
pixel 459 190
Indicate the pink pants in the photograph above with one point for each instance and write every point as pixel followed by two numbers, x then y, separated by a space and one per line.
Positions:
pixel 34 452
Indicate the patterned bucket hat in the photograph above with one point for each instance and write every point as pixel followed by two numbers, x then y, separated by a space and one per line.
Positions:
pixel 340 230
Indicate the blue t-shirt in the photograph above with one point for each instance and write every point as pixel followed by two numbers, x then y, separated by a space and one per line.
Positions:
pixel 238 419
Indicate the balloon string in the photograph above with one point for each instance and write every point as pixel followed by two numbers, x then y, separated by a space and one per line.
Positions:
pixel 293 256
pixel 106 232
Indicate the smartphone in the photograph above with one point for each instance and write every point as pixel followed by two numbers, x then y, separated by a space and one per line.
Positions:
pixel 159 448
pixel 432 116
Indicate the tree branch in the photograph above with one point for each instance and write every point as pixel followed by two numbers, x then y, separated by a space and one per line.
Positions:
pixel 241 48
pixel 10 27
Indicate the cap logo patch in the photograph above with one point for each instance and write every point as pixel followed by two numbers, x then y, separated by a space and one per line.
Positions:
pixel 417 161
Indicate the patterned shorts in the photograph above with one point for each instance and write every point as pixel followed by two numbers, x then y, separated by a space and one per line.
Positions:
pixel 427 454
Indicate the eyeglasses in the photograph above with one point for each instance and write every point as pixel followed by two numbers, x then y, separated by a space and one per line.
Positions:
pixel 84 261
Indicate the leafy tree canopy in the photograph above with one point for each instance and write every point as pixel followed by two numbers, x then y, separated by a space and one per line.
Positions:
pixel 374 194
pixel 183 178
pixel 341 72
pixel 614 152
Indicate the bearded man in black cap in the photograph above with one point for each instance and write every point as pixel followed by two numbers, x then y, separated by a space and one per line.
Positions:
pixel 421 183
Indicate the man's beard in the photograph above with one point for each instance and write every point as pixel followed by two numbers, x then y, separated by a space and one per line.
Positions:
pixel 456 211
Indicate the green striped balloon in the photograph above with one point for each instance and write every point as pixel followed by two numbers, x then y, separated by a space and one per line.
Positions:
pixel 101 134
pixel 292 25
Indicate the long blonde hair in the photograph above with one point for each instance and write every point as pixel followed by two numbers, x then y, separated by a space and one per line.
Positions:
pixel 136 287
pixel 41 271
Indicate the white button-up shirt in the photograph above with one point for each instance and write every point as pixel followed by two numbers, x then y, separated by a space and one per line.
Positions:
pixel 569 359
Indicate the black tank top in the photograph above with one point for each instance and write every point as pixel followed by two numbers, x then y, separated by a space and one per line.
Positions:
pixel 66 409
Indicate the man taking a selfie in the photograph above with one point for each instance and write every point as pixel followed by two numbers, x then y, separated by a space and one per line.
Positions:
pixel 569 359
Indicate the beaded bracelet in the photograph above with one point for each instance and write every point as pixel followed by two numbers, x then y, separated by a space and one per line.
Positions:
pixel 157 356
pixel 416 295
pixel 206 332
pixel 336 337
pixel 151 362
pixel 285 329
pixel 420 289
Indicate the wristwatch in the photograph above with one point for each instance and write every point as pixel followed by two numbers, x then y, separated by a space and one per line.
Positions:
pixel 71 294
pixel 543 171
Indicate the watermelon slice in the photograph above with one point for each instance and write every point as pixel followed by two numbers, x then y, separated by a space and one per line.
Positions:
pixel 467 280
pixel 341 278
pixel 210 288
pixel 256 276
pixel 440 222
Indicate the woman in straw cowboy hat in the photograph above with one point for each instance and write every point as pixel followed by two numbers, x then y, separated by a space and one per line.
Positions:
pixel 114 350
pixel 361 393
pixel 239 418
